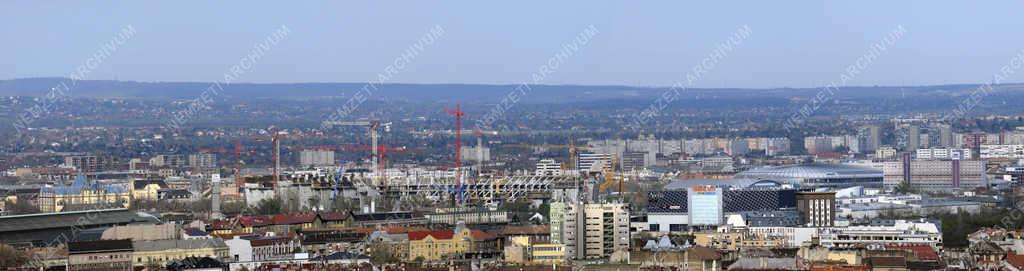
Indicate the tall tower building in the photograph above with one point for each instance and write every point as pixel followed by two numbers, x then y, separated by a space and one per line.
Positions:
pixel 595 231
pixel 873 136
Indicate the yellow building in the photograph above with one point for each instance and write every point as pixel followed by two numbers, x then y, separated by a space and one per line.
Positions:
pixel 147 189
pixel 82 194
pixel 535 253
pixel 735 240
pixel 547 253
pixel 159 252
pixel 440 245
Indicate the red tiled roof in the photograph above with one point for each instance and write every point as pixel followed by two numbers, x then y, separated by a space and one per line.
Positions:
pixel 254 221
pixel 293 219
pixel 444 235
pixel 1017 260
pixel 884 262
pixel 221 225
pixel 924 253
pixel 440 235
pixel 479 235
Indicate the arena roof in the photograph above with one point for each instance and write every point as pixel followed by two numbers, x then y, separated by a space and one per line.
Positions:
pixel 810 171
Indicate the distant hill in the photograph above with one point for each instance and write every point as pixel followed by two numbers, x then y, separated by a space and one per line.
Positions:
pixel 39 87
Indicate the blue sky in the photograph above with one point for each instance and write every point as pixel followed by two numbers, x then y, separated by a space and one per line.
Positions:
pixel 645 43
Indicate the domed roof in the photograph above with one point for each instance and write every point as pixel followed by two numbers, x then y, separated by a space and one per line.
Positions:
pixel 810 171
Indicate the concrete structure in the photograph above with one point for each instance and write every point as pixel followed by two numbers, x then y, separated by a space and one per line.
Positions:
pixel 885 153
pixel 103 255
pixel 717 164
pixel 169 160
pixel 633 161
pixel 92 163
pixel 206 160
pixel 475 153
pixel 818 144
pixel 818 175
pixel 309 158
pixel 899 232
pixel 943 154
pixel 935 175
pixel 817 209
pixel 143 232
pixel 260 248
pixel 873 136
pixel 453 216
pixel 593 162
pixel 737 147
pixel 1002 151
pixel 160 252
pixel 549 167
pixel 776 146
pixel 596 231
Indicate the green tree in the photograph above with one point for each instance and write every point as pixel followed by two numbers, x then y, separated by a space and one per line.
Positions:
pixel 903 188
pixel 11 258
pixel 268 207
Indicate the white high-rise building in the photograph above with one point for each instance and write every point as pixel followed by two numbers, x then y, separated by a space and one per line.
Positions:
pixel 1002 151
pixel 475 153
pixel 203 160
pixel 316 157
pixel 776 146
pixel 593 162
pixel 549 167
pixel 943 154
pixel 595 231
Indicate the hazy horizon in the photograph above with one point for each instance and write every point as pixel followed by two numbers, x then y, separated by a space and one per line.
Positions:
pixel 797 45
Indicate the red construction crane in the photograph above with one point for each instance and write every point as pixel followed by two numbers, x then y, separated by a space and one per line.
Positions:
pixel 275 140
pixel 457 113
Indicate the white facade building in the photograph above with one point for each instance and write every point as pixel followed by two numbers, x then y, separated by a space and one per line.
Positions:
pixel 901 232
pixel 316 157
pixel 944 154
pixel 1002 151
pixel 549 167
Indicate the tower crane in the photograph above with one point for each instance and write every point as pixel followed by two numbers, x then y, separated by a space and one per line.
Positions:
pixel 374 130
pixel 458 114
pixel 275 139
pixel 609 177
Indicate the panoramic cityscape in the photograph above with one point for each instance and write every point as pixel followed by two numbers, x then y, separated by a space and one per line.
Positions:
pixel 598 135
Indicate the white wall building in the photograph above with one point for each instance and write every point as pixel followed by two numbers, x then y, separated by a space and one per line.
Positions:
pixel 549 167
pixel 1002 151
pixel 943 154
pixel 901 232
pixel 316 158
